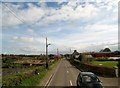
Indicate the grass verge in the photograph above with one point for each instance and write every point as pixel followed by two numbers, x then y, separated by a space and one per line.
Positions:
pixel 34 80
pixel 105 63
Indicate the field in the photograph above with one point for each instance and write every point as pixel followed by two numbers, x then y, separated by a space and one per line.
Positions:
pixel 23 69
pixel 105 63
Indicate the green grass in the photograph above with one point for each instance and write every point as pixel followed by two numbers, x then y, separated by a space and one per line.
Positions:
pixel 34 80
pixel 76 60
pixel 105 63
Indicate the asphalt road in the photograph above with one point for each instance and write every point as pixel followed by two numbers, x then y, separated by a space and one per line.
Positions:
pixel 64 74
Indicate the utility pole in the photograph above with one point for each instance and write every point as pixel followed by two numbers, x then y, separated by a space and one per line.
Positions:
pixel 57 52
pixel 70 54
pixel 47 53
pixel 70 50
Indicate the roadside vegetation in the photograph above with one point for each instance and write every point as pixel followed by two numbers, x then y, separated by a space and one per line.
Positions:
pixel 105 63
pixel 101 67
pixel 34 80
pixel 25 72
pixel 29 78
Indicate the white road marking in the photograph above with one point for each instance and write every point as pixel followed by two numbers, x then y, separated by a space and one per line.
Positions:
pixel 52 76
pixel 48 80
pixel 71 83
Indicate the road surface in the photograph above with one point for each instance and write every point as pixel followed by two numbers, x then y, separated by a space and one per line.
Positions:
pixel 64 74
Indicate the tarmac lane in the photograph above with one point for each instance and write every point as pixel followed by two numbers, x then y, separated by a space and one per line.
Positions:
pixel 65 75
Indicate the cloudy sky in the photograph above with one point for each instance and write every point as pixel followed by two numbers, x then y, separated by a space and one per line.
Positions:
pixel 84 26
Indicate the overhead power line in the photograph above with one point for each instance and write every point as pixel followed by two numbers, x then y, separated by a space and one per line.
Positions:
pixel 13 13
pixel 19 17
pixel 16 16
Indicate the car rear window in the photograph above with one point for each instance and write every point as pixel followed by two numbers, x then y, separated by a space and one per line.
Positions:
pixel 86 78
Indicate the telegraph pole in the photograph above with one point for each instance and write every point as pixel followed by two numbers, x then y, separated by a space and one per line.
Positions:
pixel 47 53
pixel 70 54
pixel 57 52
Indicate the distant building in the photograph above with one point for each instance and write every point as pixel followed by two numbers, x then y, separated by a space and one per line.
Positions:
pixel 117 52
pixel 103 54
pixel 105 50
pixel 83 57
pixel 87 58
pixel 75 54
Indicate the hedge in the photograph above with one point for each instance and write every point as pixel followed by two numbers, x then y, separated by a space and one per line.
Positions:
pixel 99 70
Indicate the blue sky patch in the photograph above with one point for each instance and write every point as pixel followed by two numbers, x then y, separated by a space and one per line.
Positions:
pixel 76 25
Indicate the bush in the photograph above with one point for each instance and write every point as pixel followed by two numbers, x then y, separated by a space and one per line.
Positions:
pixel 99 70
pixel 16 79
pixel 11 81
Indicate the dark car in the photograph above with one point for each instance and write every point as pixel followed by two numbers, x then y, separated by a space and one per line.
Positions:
pixel 88 80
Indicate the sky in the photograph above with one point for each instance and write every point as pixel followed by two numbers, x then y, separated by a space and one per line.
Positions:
pixel 86 26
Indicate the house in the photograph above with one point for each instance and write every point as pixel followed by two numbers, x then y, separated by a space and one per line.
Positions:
pixel 83 57
pixel 87 58
pixel 75 54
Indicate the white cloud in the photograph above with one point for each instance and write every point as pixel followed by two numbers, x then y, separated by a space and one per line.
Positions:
pixel 9 20
pixel 29 49
pixel 24 44
pixel 26 40
pixel 102 28
pixel 15 37
pixel 97 35
pixel 12 17
pixel 23 39
pixel 32 32
pixel 34 14
pixel 98 30
pixel 68 13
